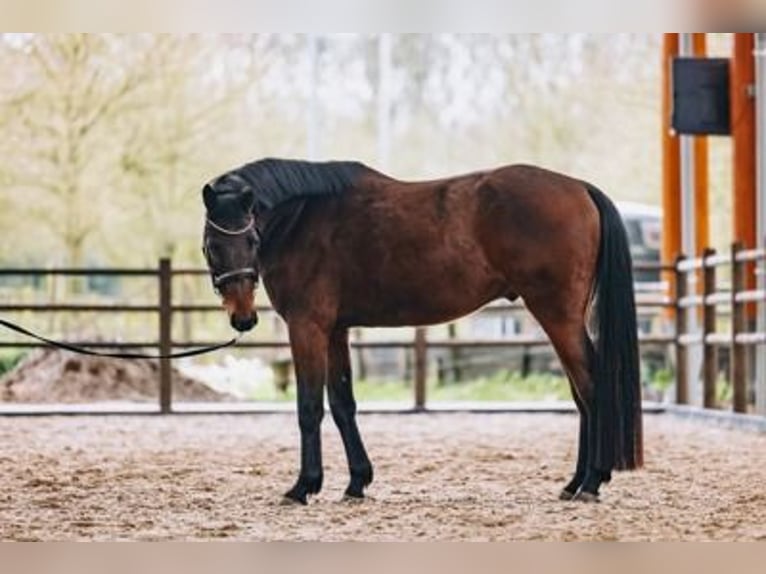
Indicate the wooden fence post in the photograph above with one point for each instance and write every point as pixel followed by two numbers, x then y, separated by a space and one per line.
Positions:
pixel 421 367
pixel 165 336
pixel 710 355
pixel 738 325
pixel 682 372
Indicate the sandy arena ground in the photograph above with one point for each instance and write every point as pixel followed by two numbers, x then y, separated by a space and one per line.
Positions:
pixel 447 476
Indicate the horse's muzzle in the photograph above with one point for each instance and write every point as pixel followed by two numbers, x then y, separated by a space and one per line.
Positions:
pixel 245 323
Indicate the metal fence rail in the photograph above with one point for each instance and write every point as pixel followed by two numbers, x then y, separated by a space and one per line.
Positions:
pixel 165 309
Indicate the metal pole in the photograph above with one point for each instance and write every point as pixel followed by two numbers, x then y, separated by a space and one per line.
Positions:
pixel 682 354
pixel 760 111
pixel 689 236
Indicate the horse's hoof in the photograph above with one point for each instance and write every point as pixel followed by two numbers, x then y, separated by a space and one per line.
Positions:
pixel 566 495
pixel 583 496
pixel 288 500
pixel 352 499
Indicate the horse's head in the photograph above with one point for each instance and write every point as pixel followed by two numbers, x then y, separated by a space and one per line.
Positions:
pixel 230 245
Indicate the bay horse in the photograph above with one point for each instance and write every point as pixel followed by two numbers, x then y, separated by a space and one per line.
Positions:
pixel 338 245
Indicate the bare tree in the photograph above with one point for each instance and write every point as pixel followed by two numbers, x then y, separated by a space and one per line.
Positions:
pixel 57 126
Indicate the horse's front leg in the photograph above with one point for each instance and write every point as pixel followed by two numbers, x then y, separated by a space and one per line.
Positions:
pixel 343 409
pixel 309 345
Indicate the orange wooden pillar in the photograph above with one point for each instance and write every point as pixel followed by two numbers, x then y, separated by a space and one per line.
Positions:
pixel 744 147
pixel 743 132
pixel 701 172
pixel 671 166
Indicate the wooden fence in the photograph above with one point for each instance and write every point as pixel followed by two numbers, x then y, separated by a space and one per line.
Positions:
pixel 741 335
pixel 166 308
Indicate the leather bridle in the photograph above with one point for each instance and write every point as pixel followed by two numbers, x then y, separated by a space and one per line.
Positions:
pixel 220 278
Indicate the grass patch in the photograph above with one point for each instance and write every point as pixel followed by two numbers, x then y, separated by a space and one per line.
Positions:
pixel 504 386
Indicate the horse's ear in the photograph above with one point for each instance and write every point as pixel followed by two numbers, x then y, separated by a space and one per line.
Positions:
pixel 247 198
pixel 209 197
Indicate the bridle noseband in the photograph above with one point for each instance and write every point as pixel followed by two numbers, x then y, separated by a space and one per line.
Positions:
pixel 220 278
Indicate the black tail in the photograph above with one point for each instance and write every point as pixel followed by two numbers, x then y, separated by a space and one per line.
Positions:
pixel 617 380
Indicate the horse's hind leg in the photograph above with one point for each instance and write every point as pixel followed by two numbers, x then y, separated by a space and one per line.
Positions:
pixel 569 337
pixel 585 480
pixel 343 409
pixel 570 490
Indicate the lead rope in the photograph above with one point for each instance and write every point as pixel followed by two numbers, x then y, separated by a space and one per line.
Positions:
pixel 84 351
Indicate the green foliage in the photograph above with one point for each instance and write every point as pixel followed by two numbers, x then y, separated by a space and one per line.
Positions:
pixel 662 379
pixel 9 360
pixel 504 386
pixel 724 392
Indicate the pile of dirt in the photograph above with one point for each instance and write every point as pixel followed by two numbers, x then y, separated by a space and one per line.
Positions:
pixel 54 376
